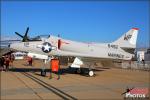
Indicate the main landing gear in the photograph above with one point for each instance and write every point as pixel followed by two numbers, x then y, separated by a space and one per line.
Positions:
pixel 88 72
pixel 43 70
pixel 91 73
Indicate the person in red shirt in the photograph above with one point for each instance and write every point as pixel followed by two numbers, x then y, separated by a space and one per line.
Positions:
pixel 30 61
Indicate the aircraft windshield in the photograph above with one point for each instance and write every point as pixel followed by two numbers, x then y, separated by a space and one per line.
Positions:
pixel 39 38
pixel 44 36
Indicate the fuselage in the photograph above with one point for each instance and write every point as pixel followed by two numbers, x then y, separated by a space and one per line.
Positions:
pixel 73 48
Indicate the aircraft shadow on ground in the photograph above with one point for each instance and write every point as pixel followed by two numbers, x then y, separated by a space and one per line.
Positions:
pixel 62 71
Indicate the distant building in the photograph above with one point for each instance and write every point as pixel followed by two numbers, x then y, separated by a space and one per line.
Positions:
pixel 143 53
pixel 147 55
pixel 140 55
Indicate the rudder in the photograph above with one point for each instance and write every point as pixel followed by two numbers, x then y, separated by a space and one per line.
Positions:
pixel 128 40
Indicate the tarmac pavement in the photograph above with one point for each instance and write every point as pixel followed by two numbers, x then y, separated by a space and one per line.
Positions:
pixel 25 82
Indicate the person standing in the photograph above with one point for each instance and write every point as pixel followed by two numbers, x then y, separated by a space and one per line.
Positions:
pixel 30 61
pixel 12 58
pixel 143 61
pixel 2 60
pixel 7 61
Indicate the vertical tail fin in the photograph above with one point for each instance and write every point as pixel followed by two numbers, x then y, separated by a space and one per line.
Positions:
pixel 128 40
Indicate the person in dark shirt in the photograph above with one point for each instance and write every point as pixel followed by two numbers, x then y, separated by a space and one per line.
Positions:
pixel 143 61
pixel 2 60
pixel 12 58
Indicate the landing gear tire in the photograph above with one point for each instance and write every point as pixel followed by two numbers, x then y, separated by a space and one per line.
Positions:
pixel 78 71
pixel 91 73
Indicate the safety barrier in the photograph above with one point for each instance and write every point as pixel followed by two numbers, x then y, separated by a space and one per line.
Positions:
pixel 136 65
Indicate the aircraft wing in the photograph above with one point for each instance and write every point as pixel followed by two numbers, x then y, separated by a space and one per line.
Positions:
pixel 85 56
pixel 75 54
pixel 85 60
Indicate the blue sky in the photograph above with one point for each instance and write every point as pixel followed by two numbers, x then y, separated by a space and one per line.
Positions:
pixel 87 21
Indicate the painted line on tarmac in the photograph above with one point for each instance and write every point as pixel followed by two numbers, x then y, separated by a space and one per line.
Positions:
pixel 58 92
pixel 27 86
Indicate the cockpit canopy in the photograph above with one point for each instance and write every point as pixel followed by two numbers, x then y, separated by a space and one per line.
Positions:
pixel 26 38
pixel 39 38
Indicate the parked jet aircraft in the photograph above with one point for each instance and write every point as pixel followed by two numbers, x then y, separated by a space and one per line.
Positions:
pixel 84 53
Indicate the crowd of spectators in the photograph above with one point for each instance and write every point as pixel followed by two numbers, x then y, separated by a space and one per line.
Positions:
pixel 6 61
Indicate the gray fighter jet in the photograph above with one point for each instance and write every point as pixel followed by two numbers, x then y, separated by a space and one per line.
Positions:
pixel 84 53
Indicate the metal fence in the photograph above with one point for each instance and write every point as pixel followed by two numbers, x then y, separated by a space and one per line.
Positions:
pixel 136 65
